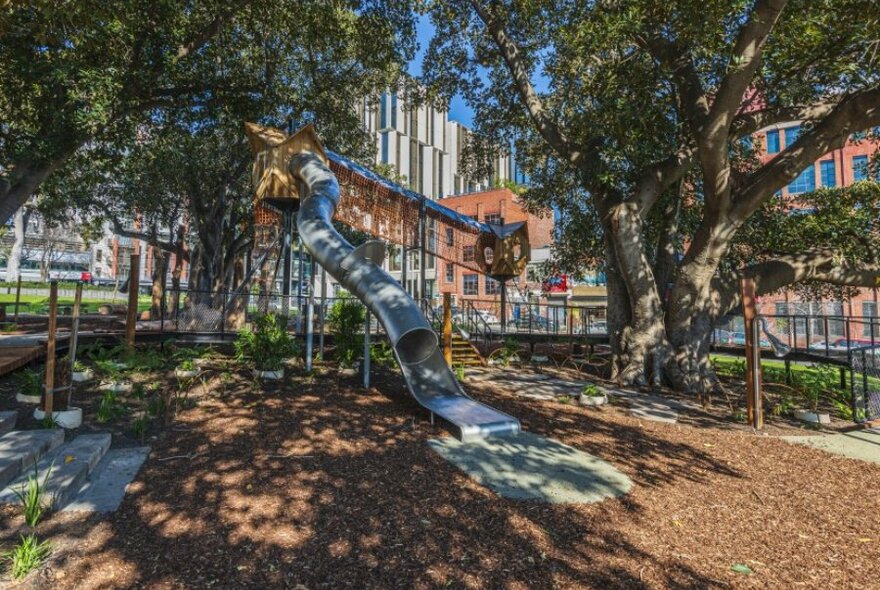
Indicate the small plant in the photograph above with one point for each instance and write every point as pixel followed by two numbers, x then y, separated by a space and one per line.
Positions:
pixel 156 406
pixel 139 426
pixel 110 408
pixel 508 352
pixel 266 345
pixel 79 366
pixel 27 555
pixel 459 372
pixel 187 365
pixel 592 390
pixel 49 422
pixel 564 399
pixel 30 382
pixel 31 496
pixel 784 406
pixel 109 369
pixel 381 354
pixel 346 318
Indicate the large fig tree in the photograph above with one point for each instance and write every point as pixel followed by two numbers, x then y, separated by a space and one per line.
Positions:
pixel 635 120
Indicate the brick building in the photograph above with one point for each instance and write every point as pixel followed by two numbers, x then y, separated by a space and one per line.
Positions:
pixel 497 206
pixel 841 167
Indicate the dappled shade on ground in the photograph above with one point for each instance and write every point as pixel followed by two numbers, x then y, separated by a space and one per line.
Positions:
pixel 324 484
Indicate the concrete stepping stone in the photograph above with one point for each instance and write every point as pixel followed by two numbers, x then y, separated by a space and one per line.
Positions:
pixel 532 467
pixel 650 408
pixel 109 480
pixel 68 467
pixel 7 421
pixel 20 449
pixel 863 445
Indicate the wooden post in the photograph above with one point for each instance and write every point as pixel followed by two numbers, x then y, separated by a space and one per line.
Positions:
pixel 134 273
pixel 74 334
pixel 447 328
pixel 48 394
pixel 17 298
pixel 754 405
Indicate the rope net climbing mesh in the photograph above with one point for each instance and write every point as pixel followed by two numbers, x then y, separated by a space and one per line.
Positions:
pixel 391 214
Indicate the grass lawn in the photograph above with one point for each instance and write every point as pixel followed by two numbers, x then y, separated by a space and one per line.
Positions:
pixel 40 304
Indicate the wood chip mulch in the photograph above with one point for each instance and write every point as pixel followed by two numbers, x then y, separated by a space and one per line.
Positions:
pixel 321 484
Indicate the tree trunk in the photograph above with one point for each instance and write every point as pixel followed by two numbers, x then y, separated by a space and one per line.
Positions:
pixel 642 349
pixel 160 267
pixel 19 228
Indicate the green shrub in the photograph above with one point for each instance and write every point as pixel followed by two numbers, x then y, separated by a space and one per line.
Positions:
pixel 187 365
pixel 267 344
pixel 508 352
pixel 30 381
pixel 27 555
pixel 382 355
pixel 346 317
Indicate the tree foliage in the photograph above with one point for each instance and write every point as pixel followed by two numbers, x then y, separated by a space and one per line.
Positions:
pixel 633 120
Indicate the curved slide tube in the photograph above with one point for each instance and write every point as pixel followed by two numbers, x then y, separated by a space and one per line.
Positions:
pixel 415 344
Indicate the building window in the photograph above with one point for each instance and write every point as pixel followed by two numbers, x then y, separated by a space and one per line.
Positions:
pixel 791 135
pixel 385 148
pixel 383 108
pixel 828 174
pixel 492 287
pixel 450 272
pixel 869 311
pixel 467 254
pixel 493 218
pixel 450 236
pixel 860 168
pixel 394 263
pixel 804 183
pixel 470 284
pixel 394 110
pixel 773 142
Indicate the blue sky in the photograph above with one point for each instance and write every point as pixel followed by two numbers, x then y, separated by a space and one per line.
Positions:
pixel 458 109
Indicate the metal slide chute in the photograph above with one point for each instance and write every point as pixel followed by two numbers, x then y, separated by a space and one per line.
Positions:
pixel 415 344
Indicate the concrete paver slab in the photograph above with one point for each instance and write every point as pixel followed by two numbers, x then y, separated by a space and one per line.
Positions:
pixel 531 467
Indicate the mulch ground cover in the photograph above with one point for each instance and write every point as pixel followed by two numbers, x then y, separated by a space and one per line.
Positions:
pixel 318 483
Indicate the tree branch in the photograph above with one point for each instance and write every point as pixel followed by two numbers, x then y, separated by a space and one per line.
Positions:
pixel 687 82
pixel 821 264
pixel 855 112
pixel 544 121
pixel 662 175
pixel 746 59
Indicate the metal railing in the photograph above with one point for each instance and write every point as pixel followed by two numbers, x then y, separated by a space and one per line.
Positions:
pixel 865 384
pixel 831 336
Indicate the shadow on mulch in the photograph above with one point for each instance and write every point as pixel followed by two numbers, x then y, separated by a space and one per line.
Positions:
pixel 322 483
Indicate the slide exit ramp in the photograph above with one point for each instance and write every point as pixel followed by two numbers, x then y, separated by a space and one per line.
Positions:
pixel 415 344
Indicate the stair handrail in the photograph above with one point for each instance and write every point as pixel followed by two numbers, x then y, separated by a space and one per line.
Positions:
pixel 481 326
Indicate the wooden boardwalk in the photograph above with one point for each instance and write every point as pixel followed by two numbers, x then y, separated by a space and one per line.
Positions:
pixel 14 357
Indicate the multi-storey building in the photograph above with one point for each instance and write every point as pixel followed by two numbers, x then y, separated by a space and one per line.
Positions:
pixel 840 167
pixel 498 206
pixel 424 148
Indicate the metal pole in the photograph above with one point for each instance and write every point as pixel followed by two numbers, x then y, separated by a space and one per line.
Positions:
pixel 503 305
pixel 287 261
pixel 74 331
pixel 404 255
pixel 323 311
pixel 310 314
pixel 367 349
pixel 423 245
pixel 300 264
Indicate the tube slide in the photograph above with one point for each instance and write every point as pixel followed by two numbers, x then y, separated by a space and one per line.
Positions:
pixel 415 344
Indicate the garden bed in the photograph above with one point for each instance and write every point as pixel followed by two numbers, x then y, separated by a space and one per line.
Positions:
pixel 318 482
